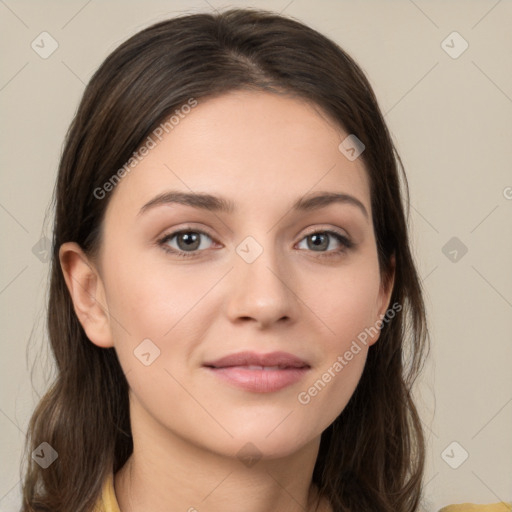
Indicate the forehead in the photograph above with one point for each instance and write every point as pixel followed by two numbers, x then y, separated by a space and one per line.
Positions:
pixel 253 147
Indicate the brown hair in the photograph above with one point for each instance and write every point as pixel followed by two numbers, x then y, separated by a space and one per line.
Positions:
pixel 372 456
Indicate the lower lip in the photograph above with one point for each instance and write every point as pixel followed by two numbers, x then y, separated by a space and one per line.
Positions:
pixel 260 381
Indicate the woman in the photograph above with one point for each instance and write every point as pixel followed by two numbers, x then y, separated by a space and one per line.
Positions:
pixel 234 310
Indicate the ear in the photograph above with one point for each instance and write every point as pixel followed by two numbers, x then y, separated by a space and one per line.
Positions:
pixel 384 298
pixel 87 293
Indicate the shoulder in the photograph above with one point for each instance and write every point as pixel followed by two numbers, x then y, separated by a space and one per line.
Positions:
pixel 472 507
pixel 107 501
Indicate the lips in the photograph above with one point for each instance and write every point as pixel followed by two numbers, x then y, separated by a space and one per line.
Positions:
pixel 251 360
pixel 260 373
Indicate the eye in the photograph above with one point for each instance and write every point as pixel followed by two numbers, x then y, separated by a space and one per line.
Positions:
pixel 188 242
pixel 320 241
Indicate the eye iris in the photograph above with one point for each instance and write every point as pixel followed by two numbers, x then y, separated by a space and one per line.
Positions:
pixel 192 241
pixel 317 242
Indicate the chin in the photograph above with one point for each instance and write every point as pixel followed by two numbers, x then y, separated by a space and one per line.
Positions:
pixel 257 441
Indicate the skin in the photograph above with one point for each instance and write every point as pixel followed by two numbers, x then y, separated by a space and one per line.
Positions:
pixel 262 151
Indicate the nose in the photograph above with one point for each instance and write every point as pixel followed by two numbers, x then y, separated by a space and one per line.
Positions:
pixel 262 291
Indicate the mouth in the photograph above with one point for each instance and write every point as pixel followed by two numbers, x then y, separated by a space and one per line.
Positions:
pixel 260 373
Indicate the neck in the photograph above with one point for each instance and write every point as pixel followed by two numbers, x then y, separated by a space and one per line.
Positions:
pixel 166 472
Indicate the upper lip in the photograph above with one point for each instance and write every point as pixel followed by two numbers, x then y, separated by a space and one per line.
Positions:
pixel 281 359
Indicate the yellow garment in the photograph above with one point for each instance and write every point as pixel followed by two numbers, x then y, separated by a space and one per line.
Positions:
pixel 470 507
pixel 108 502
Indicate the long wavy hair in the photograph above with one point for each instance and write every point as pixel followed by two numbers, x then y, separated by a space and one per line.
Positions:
pixel 372 456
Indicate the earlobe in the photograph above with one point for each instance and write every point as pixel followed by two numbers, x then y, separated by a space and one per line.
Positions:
pixel 87 293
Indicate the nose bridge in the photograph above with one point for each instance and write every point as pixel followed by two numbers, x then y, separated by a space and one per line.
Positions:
pixel 261 286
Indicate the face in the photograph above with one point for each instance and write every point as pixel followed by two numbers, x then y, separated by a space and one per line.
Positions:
pixel 278 280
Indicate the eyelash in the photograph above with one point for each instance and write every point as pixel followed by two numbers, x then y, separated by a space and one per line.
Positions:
pixel 346 244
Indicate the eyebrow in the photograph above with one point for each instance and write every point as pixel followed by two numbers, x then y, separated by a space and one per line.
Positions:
pixel 220 204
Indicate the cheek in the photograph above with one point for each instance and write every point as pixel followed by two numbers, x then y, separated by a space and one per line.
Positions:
pixel 151 299
pixel 332 386
pixel 348 305
pixel 162 306
pixel 348 309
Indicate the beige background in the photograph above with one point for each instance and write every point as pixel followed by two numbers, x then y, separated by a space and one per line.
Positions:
pixel 451 119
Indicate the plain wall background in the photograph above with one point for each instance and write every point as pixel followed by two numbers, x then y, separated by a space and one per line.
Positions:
pixel 452 121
